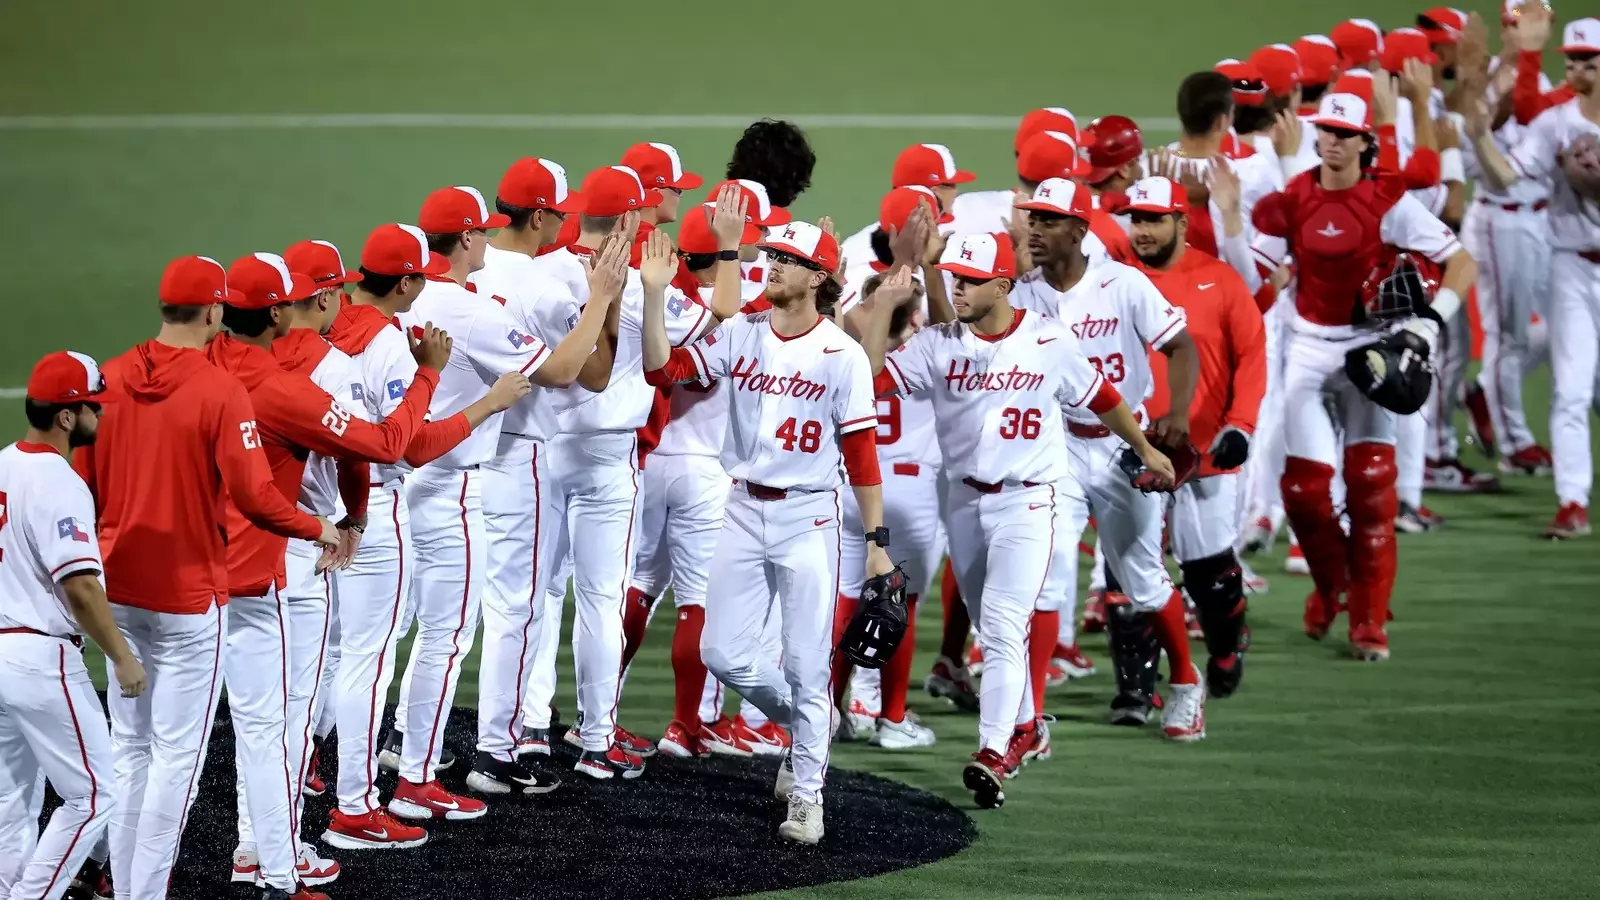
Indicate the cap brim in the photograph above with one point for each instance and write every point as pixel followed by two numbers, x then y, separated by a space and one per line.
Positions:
pixel 652 199
pixel 962 176
pixel 574 203
pixel 1578 48
pixel 946 218
pixel 776 216
pixel 497 220
pixel 234 297
pixel 968 271
pixel 348 278
pixel 1327 122
pixel 1049 208
pixel 436 265
pixel 688 182
pixel 302 287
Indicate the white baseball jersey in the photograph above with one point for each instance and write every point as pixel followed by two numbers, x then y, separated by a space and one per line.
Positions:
pixel 1305 158
pixel 625 403
pixel 387 369
pixel 540 304
pixel 486 343
pixel 1574 222
pixel 46 535
pixel 699 421
pixel 789 399
pixel 1114 312
pixel 998 400
pixel 340 376
pixel 1526 191
pixel 1259 175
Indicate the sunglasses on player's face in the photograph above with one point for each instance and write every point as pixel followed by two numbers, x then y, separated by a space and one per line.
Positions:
pixel 780 258
pixel 1342 134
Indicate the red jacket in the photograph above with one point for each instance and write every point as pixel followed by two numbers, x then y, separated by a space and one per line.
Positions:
pixel 178 432
pixel 1528 98
pixel 296 418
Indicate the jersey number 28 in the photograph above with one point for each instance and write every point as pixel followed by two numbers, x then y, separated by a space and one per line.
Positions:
pixel 808 435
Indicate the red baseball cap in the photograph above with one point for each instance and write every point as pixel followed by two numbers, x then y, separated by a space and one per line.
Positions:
pixel 1319 58
pixel 1340 110
pixel 928 165
pixel 1159 195
pixel 538 183
pixel 981 256
pixel 401 250
pixel 1402 44
pixel 458 209
pixel 1279 66
pixel 321 262
pixel 1051 154
pixel 1581 37
pixel 695 234
pixel 195 281
pixel 1448 23
pixel 1050 118
pixel 898 205
pixel 1355 81
pixel 1249 88
pixel 658 166
pixel 264 280
pixel 614 190
pixel 1062 197
pixel 1111 143
pixel 66 377
pixel 758 206
pixel 807 241
pixel 1360 41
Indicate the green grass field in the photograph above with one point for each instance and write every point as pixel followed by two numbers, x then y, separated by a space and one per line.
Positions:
pixel 1466 767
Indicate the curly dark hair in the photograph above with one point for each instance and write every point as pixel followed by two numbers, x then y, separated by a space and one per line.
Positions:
pixel 775 155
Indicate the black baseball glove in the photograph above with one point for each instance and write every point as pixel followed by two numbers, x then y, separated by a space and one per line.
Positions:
pixel 1185 463
pixel 1230 449
pixel 879 623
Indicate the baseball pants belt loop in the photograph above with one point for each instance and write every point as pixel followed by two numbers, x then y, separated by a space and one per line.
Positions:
pixel 984 487
pixel 1590 255
pixel 75 640
pixel 911 469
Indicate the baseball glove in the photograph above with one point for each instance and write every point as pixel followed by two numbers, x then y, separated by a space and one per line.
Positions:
pixel 1185 462
pixel 1581 164
pixel 879 623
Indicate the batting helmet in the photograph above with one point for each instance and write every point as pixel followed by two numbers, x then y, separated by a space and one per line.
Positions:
pixel 1111 142
pixel 1393 371
pixel 1185 461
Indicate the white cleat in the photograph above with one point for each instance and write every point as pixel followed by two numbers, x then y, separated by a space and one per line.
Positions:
pixel 906 734
pixel 785 783
pixel 246 867
pixel 1253 582
pixel 804 825
pixel 312 868
pixel 861 720
pixel 1295 563
pixel 1183 718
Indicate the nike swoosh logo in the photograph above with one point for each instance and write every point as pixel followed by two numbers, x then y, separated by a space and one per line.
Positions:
pixel 1033 506
pixel 1047 340
pixel 1207 286
pixel 1107 281
pixel 821 521
pixel 380 835
pixel 832 350
pixel 451 805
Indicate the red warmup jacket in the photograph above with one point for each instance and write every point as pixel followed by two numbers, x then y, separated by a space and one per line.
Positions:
pixel 296 418
pixel 1230 340
pixel 178 431
pixel 1528 99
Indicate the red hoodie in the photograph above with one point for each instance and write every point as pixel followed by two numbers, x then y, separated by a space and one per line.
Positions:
pixel 297 417
pixel 178 432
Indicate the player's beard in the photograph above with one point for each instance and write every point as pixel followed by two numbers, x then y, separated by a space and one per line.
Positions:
pixel 1162 256
pixel 81 436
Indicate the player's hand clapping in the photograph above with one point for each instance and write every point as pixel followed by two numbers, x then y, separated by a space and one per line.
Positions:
pixel 433 350
pixel 608 268
pixel 909 245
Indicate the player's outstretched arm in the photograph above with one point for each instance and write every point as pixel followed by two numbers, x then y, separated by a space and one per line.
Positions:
pixel 435 439
pixel 607 275
pixel 895 290
pixel 727 223
pixel 657 265
pixel 87 600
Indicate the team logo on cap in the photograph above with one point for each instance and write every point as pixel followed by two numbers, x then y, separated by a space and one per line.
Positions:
pixel 69 528
pixel 1043 192
pixel 966 252
pixel 1141 194
pixel 1337 107
pixel 789 233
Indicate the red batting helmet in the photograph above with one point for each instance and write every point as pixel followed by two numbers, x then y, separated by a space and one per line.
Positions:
pixel 1112 142
pixel 1400 286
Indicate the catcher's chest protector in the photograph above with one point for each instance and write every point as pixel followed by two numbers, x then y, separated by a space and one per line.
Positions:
pixel 1336 242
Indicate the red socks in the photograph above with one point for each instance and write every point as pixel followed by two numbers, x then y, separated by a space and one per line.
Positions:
pixel 688 671
pixel 843 612
pixel 897 673
pixel 1042 632
pixel 635 618
pixel 1308 501
pixel 957 623
pixel 1173 636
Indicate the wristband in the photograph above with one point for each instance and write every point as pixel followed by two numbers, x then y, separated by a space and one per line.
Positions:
pixel 1450 168
pixel 1446 302
pixel 728 255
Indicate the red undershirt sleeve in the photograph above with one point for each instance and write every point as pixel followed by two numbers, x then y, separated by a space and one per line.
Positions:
pixel 860 450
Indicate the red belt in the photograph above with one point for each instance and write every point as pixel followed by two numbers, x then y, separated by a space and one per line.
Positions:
pixel 1087 431
pixel 1591 255
pixel 911 469
pixel 74 639
pixel 762 492
pixel 1514 207
pixel 984 487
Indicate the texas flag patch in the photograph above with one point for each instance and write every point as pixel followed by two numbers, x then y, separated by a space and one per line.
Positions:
pixel 69 528
pixel 677 305
pixel 520 340
pixel 357 393
pixel 397 389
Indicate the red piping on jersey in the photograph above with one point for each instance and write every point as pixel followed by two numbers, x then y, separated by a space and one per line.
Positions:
pixel 31 447
pixel 316 688
pixel 83 753
pixel 205 730
pixel 455 638
pixel 1016 320
pixel 790 337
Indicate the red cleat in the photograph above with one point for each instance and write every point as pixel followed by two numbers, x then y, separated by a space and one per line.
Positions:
pixel 681 743
pixel 985 777
pixel 376 830
pixel 1571 521
pixel 975 661
pixel 1192 621
pixel 719 739
pixel 1094 613
pixel 1319 615
pixel 1368 642
pixel 768 740
pixel 420 802
pixel 638 746
pixel 1068 662
pixel 1027 746
pixel 1477 406
pixel 315 786
pixel 1534 460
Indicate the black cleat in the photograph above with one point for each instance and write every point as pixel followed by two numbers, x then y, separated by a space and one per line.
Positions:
pixel 534 742
pixel 393 742
pixel 495 776
pixel 1223 675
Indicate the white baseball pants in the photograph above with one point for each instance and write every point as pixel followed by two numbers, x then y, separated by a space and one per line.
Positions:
pixel 308 604
pixel 1203 517
pixel 447 588
pixel 911 512
pixel 1318 393
pixel 1512 248
pixel 521 514
pixel 682 500
pixel 373 593
pixel 779 552
pixel 256 670
pixel 1265 466
pixel 1574 347
pixel 1128 525
pixel 51 726
pixel 159 738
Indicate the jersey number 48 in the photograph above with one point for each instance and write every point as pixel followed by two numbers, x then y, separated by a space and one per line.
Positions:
pixel 807 435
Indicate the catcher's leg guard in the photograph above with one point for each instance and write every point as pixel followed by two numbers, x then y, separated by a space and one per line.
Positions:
pixel 1372 503
pixel 1134 658
pixel 1216 586
pixel 1308 503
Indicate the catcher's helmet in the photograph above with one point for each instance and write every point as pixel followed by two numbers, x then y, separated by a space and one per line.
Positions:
pixel 1111 142
pixel 1185 462
pixel 877 628
pixel 1400 286
pixel 1393 372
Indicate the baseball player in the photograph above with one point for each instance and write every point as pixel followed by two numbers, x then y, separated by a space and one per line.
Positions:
pixel 180 433
pixel 800 411
pixel 446 501
pixel 1314 215
pixel 659 167
pixel 374 590
pixel 1560 149
pixel 521 534
pixel 930 167
pixel 775 155
pixel 295 418
pixel 51 722
pixel 1114 149
pixel 1119 318
pixel 1226 326
pixel 685 491
pixel 985 211
pixel 1015 508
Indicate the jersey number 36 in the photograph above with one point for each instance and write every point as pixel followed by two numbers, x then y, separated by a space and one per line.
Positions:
pixel 1020 423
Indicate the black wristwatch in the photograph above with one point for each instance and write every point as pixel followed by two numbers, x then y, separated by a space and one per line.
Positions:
pixel 879 536
pixel 728 255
